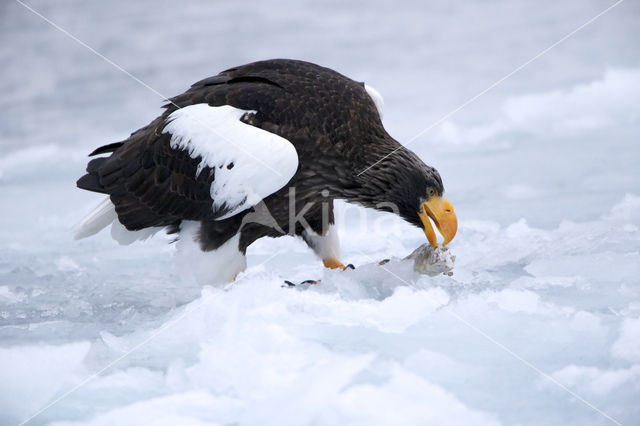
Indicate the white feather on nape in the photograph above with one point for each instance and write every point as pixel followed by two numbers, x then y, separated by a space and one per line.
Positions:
pixel 250 163
pixel 377 99
pixel 207 267
pixel 102 216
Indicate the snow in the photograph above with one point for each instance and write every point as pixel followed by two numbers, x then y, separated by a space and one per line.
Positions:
pixel 599 104
pixel 542 171
pixel 32 375
pixel 627 346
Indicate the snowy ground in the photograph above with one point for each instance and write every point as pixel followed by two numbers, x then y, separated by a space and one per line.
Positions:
pixel 539 325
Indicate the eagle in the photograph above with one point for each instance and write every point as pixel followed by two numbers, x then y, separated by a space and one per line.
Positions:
pixel 261 150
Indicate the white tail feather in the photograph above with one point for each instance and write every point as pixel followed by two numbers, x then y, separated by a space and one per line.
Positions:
pixel 99 218
pixel 125 237
pixel 104 215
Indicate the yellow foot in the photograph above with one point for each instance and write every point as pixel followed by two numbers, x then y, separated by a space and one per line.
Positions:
pixel 333 263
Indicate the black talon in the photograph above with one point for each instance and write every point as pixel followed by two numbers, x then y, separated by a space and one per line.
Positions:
pixel 350 266
pixel 290 284
pixel 383 261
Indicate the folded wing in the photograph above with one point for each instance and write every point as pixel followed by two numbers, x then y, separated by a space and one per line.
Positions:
pixel 200 162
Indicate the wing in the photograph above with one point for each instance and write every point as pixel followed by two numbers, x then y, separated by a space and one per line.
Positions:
pixel 199 162
pixel 249 163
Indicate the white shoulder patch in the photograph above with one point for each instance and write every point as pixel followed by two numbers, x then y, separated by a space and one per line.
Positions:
pixel 250 163
pixel 377 99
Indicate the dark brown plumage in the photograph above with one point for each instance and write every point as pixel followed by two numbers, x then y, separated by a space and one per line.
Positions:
pixel 330 119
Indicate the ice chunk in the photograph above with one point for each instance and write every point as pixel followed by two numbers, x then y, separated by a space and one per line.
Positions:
pixel 32 375
pixel 627 346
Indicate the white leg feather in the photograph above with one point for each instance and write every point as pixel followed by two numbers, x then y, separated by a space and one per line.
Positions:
pixel 208 267
pixel 325 246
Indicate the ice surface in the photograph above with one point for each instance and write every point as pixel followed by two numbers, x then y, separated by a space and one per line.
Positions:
pixel 542 171
pixel 32 375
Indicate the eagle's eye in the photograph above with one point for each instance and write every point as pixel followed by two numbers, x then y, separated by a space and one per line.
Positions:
pixel 431 192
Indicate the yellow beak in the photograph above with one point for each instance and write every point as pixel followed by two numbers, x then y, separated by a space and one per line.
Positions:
pixel 441 212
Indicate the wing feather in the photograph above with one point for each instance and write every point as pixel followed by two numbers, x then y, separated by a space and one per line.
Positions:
pixel 199 162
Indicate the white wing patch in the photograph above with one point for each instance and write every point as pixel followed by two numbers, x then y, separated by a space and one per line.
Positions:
pixel 250 163
pixel 377 99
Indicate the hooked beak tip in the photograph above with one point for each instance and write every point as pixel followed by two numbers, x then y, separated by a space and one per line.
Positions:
pixel 441 212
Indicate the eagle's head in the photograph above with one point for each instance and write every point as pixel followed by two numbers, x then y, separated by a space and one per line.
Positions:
pixel 418 194
pixel 434 208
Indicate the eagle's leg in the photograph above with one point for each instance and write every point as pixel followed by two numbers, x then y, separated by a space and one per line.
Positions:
pixel 326 247
pixel 211 252
pixel 322 236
